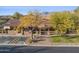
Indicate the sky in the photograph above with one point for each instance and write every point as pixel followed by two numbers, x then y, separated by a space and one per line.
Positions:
pixel 10 10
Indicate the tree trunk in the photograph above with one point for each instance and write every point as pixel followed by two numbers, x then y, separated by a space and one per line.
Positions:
pixel 40 32
pixel 48 31
pixel 32 35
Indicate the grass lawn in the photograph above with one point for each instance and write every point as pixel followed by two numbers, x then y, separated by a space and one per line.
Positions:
pixel 65 39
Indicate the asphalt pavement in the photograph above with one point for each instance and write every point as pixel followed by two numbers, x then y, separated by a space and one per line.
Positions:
pixel 38 49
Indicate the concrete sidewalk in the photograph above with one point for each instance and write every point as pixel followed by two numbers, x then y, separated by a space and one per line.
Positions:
pixel 57 45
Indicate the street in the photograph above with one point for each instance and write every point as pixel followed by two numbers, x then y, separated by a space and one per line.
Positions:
pixel 38 49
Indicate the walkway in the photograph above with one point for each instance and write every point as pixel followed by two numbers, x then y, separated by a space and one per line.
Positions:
pixel 42 41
